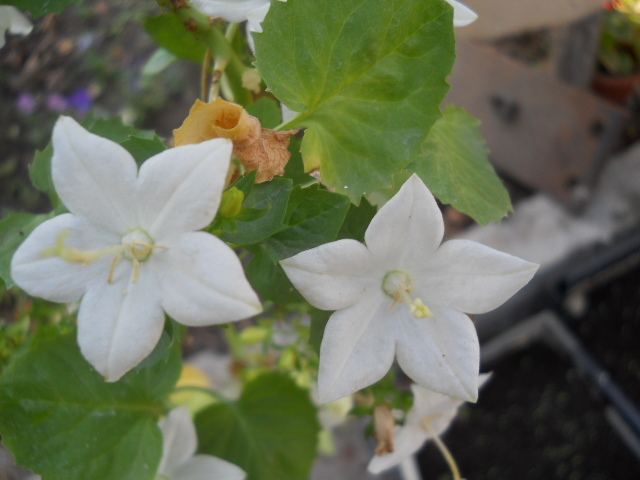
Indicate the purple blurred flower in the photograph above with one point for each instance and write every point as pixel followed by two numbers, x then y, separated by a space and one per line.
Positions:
pixel 57 103
pixel 81 100
pixel 26 103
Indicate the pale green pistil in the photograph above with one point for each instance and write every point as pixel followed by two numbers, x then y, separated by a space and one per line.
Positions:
pixel 398 285
pixel 137 246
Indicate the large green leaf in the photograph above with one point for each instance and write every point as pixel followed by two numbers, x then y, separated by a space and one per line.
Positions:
pixel 13 230
pixel 454 165
pixel 270 432
pixel 170 33
pixel 269 279
pixel 62 420
pixel 368 77
pixel 314 217
pixel 39 8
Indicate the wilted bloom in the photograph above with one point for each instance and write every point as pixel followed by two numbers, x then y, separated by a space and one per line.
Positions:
pixel 179 461
pixel 404 294
pixel 130 247
pixel 430 416
pixel 12 21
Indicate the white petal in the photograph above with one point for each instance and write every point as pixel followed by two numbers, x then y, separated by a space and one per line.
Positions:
pixel 256 16
pixel 94 177
pixel 120 323
pixel 440 353
pixel 332 276
pixel 471 277
pixel 462 15
pixel 51 277
pixel 229 10
pixel 207 467
pixel 180 189
pixel 438 408
pixel 407 441
pixel 407 229
pixel 357 348
pixel 202 281
pixel 179 439
pixel 18 23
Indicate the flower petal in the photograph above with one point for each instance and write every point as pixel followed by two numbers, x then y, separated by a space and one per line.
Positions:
pixel 207 467
pixel 179 190
pixel 51 277
pixel 407 229
pixel 255 17
pixel 332 276
pixel 407 441
pixel 357 348
pixel 179 439
pixel 94 177
pixel 462 15
pixel 230 10
pixel 120 323
pixel 440 353
pixel 18 23
pixel 471 277
pixel 202 281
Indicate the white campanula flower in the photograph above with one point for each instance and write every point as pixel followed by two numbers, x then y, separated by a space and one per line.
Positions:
pixel 430 416
pixel 179 461
pixel 12 21
pixel 130 246
pixel 404 294
pixel 462 15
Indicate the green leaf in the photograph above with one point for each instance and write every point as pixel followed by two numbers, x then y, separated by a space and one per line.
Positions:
pixel 40 8
pixel 143 148
pixel 270 432
pixel 63 421
pixel 269 279
pixel 170 33
pixel 319 320
pixel 314 217
pixel 267 111
pixel 273 196
pixel 40 173
pixel 158 62
pixel 357 221
pixel 13 231
pixel 455 167
pixel 368 80
pixel 115 129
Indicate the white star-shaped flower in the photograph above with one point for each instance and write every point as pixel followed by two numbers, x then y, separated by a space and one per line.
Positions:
pixel 253 11
pixel 179 446
pixel 404 294
pixel 430 416
pixel 12 21
pixel 462 15
pixel 130 246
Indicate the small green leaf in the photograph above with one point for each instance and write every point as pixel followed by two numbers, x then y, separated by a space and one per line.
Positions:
pixel 367 77
pixel 40 173
pixel 273 196
pixel 170 33
pixel 158 62
pixel 314 217
pixel 63 421
pixel 143 148
pixel 455 167
pixel 13 231
pixel 267 111
pixel 319 320
pixel 270 432
pixel 40 8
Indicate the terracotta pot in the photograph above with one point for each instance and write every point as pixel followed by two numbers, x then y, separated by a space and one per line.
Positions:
pixel 615 89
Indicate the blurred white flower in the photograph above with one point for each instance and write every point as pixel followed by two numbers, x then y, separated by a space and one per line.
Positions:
pixel 462 15
pixel 430 416
pixel 179 461
pixel 404 294
pixel 12 21
pixel 130 247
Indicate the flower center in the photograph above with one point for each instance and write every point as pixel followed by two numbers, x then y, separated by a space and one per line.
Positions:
pixel 398 285
pixel 138 245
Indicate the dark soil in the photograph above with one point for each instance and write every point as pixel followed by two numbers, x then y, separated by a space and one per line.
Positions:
pixel 535 420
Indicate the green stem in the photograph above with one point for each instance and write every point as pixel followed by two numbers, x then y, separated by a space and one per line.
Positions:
pixel 444 450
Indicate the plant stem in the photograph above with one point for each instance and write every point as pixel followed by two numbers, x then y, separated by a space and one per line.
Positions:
pixel 445 452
